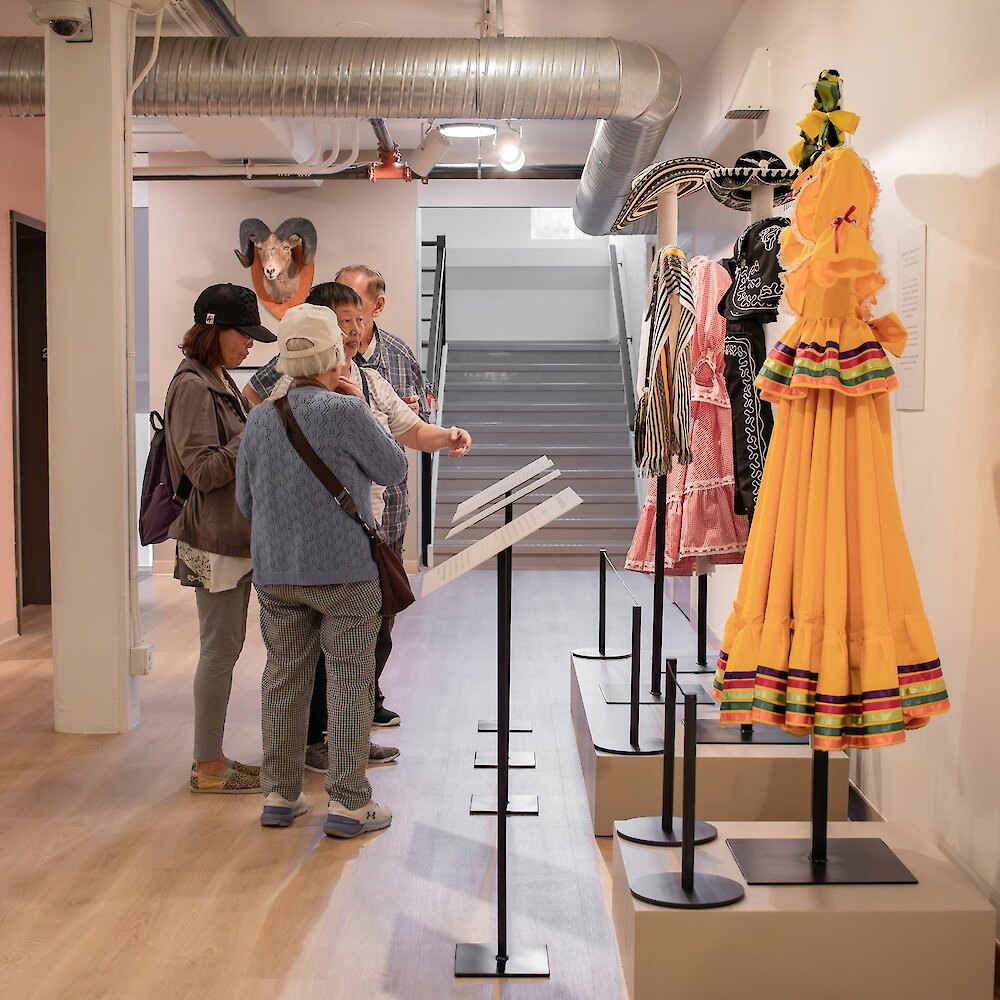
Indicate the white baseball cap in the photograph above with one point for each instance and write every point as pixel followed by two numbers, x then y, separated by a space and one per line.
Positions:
pixel 317 324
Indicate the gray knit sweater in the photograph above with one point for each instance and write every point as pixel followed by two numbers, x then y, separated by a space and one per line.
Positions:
pixel 299 535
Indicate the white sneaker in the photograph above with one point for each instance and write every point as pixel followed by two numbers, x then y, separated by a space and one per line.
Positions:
pixel 279 811
pixel 344 822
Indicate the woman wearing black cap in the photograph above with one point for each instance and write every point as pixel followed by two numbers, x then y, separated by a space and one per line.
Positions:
pixel 205 415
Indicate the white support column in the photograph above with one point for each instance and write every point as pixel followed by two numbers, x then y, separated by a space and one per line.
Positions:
pixel 88 198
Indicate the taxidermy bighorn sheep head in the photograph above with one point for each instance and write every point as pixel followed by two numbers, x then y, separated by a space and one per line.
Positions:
pixel 283 253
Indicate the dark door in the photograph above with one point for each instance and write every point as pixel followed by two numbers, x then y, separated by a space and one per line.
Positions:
pixel 31 414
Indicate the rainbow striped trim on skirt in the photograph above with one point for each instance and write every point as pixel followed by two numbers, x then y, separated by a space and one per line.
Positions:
pixel 792 699
pixel 861 371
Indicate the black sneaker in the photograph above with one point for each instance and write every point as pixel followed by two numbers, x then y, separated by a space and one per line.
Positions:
pixel 385 718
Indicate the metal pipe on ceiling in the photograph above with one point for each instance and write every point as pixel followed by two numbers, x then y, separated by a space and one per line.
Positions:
pixel 382 135
pixel 630 88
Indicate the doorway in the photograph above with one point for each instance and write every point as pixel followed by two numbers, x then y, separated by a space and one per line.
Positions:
pixel 31 414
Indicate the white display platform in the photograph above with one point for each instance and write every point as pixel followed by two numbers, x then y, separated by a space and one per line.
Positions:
pixel 872 942
pixel 735 782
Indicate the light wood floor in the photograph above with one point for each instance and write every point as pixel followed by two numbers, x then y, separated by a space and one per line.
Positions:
pixel 119 884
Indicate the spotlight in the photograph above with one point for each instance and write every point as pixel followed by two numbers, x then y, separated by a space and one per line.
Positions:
pixel 508 145
pixel 514 165
pixel 431 151
pixel 467 130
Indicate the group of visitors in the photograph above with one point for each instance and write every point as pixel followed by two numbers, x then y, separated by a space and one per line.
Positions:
pixel 256 511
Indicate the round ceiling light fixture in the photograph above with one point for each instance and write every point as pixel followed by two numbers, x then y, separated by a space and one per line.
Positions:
pixel 508 145
pixel 467 130
pixel 514 165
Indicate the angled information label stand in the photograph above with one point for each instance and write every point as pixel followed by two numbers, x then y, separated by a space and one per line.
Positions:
pixel 500 504
pixel 501 539
pixel 500 959
pixel 505 485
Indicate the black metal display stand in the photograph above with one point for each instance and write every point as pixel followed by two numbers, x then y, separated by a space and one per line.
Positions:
pixel 686 889
pixel 601 650
pixel 523 805
pixel 699 663
pixel 502 960
pixel 819 860
pixel 636 745
pixel 666 830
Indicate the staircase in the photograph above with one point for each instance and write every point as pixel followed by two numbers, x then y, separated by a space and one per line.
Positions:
pixel 563 399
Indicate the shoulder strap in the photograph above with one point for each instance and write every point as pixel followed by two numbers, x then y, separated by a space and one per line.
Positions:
pixel 320 470
pixel 365 385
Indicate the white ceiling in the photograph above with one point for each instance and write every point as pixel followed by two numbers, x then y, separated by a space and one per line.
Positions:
pixel 688 32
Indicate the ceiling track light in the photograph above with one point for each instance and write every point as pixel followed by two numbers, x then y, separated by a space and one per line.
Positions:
pixel 514 165
pixel 507 144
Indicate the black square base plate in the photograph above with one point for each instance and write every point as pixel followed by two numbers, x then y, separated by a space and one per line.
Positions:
pixel 759 735
pixel 479 961
pixel 517 805
pixel 850 861
pixel 516 726
pixel 621 694
pixel 689 664
pixel 516 758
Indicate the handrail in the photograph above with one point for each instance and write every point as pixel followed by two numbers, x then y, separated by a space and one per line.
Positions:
pixel 436 335
pixel 434 374
pixel 623 344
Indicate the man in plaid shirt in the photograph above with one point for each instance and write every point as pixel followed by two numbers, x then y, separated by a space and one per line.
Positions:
pixel 393 359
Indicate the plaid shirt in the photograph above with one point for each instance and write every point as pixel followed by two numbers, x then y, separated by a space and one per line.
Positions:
pixel 396 363
pixel 393 359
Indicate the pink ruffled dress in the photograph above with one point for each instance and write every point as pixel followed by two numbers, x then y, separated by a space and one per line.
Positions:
pixel 701 520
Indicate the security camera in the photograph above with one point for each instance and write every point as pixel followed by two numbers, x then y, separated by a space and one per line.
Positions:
pixel 69 19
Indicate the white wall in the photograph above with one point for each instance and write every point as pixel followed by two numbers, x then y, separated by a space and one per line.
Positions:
pixel 502 284
pixel 923 80
pixel 193 229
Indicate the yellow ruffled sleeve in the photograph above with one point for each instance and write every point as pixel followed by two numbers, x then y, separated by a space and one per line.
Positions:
pixel 842 219
pixel 890 333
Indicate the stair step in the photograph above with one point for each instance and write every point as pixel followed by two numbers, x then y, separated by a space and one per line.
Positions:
pixel 500 357
pixel 541 439
pixel 531 413
pixel 568 365
pixel 606 375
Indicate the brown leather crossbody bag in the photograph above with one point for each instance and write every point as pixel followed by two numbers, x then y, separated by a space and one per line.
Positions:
pixel 392 578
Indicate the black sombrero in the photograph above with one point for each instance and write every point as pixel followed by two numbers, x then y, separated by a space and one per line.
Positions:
pixel 731 185
pixel 686 173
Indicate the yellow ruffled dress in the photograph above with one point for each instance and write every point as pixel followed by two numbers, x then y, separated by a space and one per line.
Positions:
pixel 828 634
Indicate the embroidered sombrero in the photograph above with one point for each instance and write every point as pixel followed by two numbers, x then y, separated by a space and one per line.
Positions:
pixel 686 173
pixel 731 185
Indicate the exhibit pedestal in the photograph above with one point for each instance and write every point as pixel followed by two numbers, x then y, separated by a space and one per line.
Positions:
pixel 735 782
pixel 870 942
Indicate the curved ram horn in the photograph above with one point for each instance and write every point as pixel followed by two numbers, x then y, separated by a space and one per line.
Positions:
pixel 251 231
pixel 306 231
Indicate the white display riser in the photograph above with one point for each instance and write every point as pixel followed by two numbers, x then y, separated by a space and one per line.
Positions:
pixel 870 942
pixel 735 782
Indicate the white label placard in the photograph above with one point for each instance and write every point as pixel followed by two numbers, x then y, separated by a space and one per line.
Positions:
pixel 500 504
pixel 911 296
pixel 477 553
pixel 498 489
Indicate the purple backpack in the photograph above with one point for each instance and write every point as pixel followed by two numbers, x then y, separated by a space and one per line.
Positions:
pixel 160 505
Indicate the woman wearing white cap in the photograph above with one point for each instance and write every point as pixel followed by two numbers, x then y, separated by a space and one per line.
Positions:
pixel 314 573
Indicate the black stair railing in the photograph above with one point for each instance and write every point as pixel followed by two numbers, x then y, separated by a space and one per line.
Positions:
pixel 434 379
pixel 623 341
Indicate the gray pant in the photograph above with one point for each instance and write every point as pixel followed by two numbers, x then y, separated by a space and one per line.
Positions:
pixel 222 620
pixel 342 619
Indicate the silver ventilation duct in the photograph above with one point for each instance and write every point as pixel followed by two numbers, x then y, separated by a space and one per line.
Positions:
pixel 630 88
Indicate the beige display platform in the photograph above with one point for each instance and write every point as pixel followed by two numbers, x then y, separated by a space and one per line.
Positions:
pixel 735 782
pixel 928 941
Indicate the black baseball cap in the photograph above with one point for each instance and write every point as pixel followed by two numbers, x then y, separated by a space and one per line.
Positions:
pixel 233 306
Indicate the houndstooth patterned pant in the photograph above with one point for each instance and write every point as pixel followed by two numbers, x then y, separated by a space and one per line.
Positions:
pixel 295 621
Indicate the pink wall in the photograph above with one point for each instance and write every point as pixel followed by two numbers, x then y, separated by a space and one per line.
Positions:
pixel 22 189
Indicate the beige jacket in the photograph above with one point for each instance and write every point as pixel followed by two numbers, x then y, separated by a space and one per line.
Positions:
pixel 204 427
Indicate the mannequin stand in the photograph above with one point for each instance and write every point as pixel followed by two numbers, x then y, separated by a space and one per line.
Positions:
pixel 601 650
pixel 819 860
